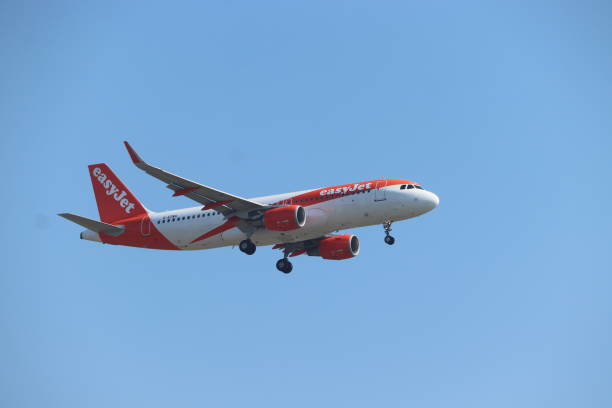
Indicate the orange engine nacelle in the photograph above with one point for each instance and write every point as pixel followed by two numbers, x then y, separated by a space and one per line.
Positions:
pixel 339 247
pixel 285 218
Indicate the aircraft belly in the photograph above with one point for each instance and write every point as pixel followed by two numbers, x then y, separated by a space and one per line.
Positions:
pixel 232 236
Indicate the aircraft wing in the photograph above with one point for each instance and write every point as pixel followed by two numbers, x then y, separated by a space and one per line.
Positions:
pixel 209 197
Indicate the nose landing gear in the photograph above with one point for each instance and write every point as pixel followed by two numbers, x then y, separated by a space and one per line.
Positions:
pixel 388 238
pixel 247 246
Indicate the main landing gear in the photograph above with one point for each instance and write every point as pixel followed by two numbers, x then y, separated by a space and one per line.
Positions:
pixel 388 238
pixel 284 265
pixel 247 246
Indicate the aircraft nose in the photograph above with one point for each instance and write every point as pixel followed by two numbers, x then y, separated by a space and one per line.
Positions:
pixel 432 201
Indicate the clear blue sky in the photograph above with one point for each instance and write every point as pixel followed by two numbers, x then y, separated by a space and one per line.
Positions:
pixel 498 298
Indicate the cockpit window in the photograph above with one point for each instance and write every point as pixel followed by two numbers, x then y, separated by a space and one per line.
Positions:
pixel 409 186
pixel 419 187
pixel 403 187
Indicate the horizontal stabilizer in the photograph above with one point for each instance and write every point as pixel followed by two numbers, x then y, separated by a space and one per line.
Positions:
pixel 93 225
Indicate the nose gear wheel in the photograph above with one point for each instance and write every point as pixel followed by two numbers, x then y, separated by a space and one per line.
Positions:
pixel 387 227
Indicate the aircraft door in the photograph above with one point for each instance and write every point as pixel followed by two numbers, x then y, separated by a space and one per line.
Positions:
pixel 145 226
pixel 379 192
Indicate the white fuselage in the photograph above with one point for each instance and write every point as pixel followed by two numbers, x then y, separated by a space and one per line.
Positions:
pixel 371 207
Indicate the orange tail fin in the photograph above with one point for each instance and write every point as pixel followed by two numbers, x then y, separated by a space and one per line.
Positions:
pixel 114 200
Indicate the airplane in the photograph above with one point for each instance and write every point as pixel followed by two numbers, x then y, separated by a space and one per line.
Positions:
pixel 301 222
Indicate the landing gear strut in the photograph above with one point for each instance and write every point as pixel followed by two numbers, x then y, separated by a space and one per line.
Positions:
pixel 388 238
pixel 247 246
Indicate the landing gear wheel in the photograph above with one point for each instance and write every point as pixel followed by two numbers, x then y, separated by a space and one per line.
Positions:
pixel 284 266
pixel 247 246
pixel 389 240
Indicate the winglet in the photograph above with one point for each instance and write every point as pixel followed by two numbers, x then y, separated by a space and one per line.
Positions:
pixel 135 158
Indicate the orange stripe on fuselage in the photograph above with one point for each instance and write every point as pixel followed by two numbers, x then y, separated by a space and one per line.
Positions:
pixel 329 193
pixel 231 223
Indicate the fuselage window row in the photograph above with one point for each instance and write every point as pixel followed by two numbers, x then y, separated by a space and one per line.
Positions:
pixel 175 218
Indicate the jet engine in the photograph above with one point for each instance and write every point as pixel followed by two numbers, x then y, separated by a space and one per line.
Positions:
pixel 285 218
pixel 337 247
